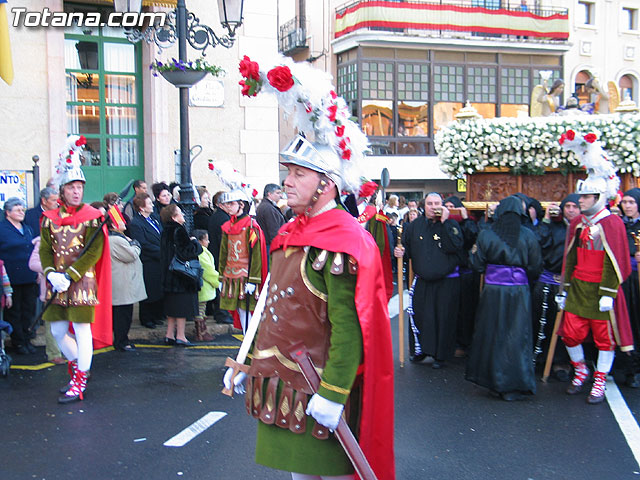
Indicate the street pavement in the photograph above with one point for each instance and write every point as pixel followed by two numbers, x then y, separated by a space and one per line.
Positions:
pixel 446 428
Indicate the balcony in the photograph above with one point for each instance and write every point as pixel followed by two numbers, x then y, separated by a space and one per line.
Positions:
pixel 463 19
pixel 292 37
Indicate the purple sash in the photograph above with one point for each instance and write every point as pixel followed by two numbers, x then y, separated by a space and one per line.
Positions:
pixel 465 271
pixel 505 275
pixel 548 277
pixel 634 264
pixel 455 273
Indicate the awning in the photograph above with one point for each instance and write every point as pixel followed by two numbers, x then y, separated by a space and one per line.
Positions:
pixel 459 18
pixel 145 3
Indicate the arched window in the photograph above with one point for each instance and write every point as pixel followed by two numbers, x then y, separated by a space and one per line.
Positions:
pixel 579 89
pixel 628 87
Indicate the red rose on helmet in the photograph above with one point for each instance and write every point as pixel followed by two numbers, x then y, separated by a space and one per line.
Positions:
pixel 249 69
pixel 211 166
pixel 340 130
pixel 280 78
pixel 248 90
pixel 590 137
pixel 571 135
pixel 346 155
pixel 81 141
pixel 333 109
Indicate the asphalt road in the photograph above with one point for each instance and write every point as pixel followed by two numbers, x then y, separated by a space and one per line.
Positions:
pixel 446 428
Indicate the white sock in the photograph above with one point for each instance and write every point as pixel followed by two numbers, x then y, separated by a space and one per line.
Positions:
pixel 243 319
pixel 66 343
pixel 576 354
pixel 85 345
pixel 605 360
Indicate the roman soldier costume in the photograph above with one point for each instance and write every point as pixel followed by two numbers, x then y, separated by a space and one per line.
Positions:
pixel 326 291
pixel 596 262
pixel 85 272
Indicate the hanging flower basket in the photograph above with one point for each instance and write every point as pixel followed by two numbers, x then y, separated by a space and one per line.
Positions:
pixel 186 78
pixel 184 74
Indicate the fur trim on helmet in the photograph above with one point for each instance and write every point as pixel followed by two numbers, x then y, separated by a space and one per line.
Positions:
pixel 601 173
pixel 308 94
pixel 239 189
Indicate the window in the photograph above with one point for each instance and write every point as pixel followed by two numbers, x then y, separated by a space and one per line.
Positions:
pixel 586 13
pixel 630 18
pixel 104 103
pixel 627 85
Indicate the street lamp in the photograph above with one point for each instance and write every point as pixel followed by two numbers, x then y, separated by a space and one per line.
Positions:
pixel 183 26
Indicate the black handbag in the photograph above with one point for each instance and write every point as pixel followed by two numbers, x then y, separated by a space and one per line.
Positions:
pixel 190 269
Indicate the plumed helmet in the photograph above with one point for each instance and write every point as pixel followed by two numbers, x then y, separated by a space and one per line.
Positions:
pixel 317 157
pixel 234 195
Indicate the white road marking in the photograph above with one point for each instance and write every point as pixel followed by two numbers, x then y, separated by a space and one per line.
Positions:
pixel 624 417
pixel 195 429
pixel 393 303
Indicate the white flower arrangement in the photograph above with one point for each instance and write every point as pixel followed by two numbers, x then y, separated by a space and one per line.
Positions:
pixel 530 145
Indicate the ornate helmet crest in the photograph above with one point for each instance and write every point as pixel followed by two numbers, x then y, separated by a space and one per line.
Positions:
pixel 68 165
pixel 338 145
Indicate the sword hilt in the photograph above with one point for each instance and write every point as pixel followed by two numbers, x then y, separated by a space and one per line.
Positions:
pixel 237 368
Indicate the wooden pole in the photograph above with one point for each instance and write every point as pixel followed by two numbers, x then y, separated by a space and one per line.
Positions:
pixel 552 347
pixel 400 303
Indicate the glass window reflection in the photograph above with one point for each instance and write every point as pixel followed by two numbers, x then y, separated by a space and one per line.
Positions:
pixel 413 119
pixel 377 118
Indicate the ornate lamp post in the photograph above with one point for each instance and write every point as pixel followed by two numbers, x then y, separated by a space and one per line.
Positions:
pixel 183 26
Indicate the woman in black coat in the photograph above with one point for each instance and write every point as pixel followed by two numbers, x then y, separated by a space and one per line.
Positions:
pixel 181 294
pixel 146 229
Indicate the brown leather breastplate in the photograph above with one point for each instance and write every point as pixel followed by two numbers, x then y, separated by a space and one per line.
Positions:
pixel 295 312
pixel 67 242
pixel 237 265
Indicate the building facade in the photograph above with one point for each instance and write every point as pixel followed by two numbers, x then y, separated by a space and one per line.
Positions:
pixel 407 68
pixel 93 81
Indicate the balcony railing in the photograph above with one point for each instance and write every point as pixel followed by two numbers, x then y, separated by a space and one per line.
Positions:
pixel 464 18
pixel 293 36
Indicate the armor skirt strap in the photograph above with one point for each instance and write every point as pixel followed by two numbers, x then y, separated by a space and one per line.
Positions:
pixel 268 414
pixel 299 419
pixel 285 407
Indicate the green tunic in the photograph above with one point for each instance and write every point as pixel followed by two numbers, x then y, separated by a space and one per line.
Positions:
pixel 302 453
pixel 76 314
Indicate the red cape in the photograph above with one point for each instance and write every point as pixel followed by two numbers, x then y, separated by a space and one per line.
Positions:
pixel 234 226
pixel 617 249
pixel 102 327
pixel 337 231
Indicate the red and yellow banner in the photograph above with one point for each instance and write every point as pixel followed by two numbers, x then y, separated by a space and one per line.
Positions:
pixel 427 16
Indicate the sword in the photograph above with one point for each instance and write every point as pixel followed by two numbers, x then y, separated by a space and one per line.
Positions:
pixel 238 364
pixel 301 356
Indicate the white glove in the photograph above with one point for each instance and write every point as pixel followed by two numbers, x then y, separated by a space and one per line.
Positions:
pixel 561 298
pixel 238 381
pixel 324 411
pixel 58 281
pixel 606 303
pixel 249 288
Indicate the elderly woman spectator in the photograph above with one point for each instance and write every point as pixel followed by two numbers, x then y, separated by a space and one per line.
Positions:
pixel 204 210
pixel 162 195
pixel 127 285
pixel 146 229
pixel 15 248
pixel 180 292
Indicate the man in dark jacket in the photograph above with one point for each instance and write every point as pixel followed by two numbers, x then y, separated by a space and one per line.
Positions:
pixel 434 244
pixel 219 217
pixel 48 201
pixel 268 215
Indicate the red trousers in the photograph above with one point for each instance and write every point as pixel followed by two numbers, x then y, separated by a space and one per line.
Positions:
pixel 576 328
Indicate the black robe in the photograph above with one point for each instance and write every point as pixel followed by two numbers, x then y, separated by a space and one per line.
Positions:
pixel 551 237
pixel 501 354
pixel 435 249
